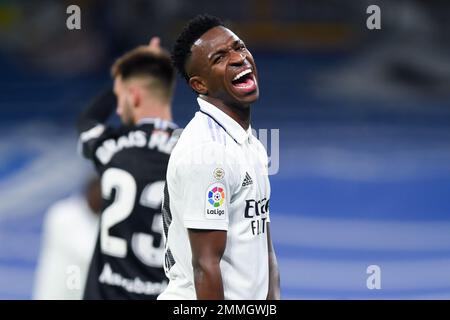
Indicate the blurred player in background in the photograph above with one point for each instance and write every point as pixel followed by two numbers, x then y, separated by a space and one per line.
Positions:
pixel 216 200
pixel 69 234
pixel 132 161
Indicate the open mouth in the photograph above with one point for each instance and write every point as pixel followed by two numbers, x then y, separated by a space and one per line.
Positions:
pixel 244 81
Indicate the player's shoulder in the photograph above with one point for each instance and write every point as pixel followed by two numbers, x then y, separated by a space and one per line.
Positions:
pixel 202 132
pixel 199 151
pixel 66 211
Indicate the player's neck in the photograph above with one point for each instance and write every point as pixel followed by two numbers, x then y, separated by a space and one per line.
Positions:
pixel 162 112
pixel 240 114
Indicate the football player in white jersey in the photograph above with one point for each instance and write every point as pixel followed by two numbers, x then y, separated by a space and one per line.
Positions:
pixel 216 199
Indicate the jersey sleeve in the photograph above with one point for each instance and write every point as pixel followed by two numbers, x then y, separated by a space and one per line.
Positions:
pixel 206 183
pixel 91 125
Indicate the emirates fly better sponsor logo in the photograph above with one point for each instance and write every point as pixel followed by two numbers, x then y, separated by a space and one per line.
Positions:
pixel 257 211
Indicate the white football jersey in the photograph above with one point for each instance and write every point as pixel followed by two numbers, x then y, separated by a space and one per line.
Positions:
pixel 217 179
pixel 69 234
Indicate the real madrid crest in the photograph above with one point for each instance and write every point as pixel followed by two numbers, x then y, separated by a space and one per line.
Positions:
pixel 218 173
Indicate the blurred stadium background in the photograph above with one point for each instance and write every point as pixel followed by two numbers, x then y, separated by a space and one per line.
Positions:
pixel 364 119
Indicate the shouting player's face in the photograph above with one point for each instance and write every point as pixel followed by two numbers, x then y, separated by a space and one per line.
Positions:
pixel 221 67
pixel 124 106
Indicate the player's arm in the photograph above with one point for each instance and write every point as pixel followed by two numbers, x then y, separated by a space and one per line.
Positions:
pixel 207 248
pixel 90 124
pixel 207 189
pixel 98 111
pixel 274 274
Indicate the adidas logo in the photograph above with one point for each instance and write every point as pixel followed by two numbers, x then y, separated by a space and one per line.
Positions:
pixel 247 180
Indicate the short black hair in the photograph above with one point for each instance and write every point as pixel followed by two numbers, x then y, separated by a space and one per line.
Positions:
pixel 141 62
pixel 191 33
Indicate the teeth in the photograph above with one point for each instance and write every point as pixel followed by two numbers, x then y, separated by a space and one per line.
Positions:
pixel 241 74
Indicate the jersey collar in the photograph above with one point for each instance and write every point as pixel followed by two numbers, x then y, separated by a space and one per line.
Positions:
pixel 225 121
pixel 158 123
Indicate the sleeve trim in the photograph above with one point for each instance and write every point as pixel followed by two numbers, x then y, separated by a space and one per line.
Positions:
pixel 92 133
pixel 205 225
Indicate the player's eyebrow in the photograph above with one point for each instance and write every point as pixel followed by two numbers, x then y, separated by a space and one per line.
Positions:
pixel 237 42
pixel 224 47
pixel 218 51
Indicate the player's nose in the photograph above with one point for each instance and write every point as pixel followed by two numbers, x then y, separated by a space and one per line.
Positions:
pixel 237 58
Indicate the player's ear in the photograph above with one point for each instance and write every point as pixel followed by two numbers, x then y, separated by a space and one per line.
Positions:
pixel 198 84
pixel 135 95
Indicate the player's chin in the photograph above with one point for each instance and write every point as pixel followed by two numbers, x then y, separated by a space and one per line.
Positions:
pixel 250 99
pixel 244 98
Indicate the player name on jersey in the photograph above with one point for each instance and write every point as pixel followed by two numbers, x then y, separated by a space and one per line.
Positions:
pixel 159 140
